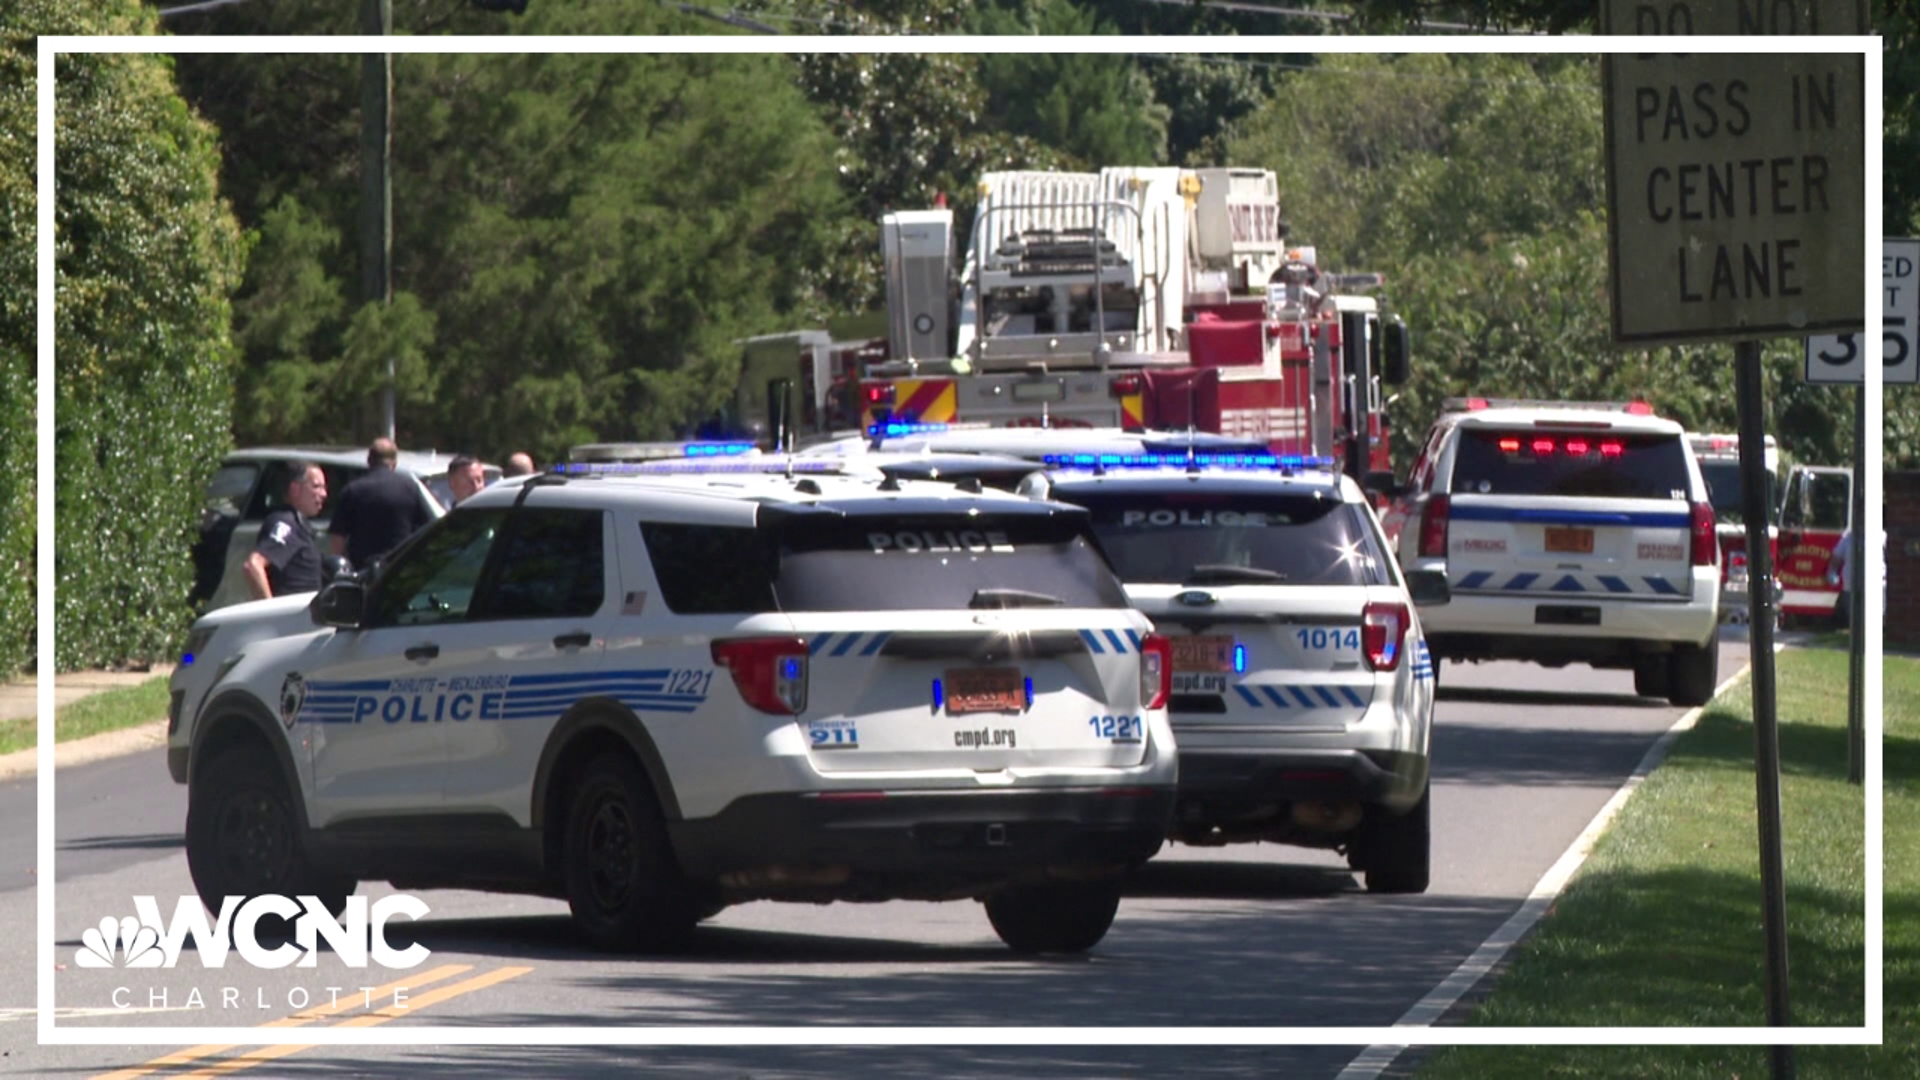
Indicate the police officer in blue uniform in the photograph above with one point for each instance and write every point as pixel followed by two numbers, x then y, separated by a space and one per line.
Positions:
pixel 286 559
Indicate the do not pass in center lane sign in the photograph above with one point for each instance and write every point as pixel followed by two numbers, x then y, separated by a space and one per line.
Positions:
pixel 1735 195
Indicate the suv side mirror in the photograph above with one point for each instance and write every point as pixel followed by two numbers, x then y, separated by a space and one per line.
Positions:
pixel 1428 588
pixel 342 604
pixel 1380 482
pixel 1399 352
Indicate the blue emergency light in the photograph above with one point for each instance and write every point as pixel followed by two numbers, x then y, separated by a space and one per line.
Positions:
pixel 717 449
pixel 700 466
pixel 897 429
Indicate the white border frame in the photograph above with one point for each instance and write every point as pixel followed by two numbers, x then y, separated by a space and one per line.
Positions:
pixel 1870 1034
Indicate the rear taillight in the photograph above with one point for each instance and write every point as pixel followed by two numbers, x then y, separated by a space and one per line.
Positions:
pixel 1383 627
pixel 1156 671
pixel 1123 385
pixel 769 672
pixel 1706 543
pixel 1433 527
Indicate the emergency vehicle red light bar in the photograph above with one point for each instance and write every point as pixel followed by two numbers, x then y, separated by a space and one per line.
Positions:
pixel 1476 404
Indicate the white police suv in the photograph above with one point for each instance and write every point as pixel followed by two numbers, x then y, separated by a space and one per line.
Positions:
pixel 1568 532
pixel 657 695
pixel 1302 695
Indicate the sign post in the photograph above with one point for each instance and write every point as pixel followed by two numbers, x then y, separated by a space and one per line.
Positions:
pixel 1736 211
pixel 1839 358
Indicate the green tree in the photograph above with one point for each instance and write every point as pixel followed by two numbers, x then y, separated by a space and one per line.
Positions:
pixel 578 240
pixel 147 258
pixel 1096 107
pixel 19 289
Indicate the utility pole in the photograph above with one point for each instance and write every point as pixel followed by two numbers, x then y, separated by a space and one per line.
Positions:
pixel 376 188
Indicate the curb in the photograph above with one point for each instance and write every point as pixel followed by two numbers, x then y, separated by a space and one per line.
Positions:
pixel 107 744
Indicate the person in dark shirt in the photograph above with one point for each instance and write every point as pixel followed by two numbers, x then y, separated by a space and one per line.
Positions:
pixel 286 559
pixel 376 511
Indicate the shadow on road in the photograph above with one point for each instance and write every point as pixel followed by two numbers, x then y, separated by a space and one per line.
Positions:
pixel 140 841
pixel 1488 695
pixel 1237 881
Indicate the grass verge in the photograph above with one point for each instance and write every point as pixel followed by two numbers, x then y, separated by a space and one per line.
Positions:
pixel 109 710
pixel 1662 926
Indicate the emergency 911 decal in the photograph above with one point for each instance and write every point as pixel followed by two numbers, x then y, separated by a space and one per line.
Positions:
pixel 430 699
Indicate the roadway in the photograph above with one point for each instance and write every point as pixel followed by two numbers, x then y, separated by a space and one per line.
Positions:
pixel 1243 936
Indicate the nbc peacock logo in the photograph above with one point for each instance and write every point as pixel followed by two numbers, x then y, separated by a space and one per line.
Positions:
pixel 124 942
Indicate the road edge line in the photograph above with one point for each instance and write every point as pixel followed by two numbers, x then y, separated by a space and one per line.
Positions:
pixel 1376 1059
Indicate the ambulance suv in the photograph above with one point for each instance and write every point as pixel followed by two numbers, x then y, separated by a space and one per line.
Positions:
pixel 657 695
pixel 1302 690
pixel 1569 533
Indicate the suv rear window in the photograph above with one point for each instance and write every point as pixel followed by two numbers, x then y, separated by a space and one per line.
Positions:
pixel 914 563
pixel 1219 538
pixel 1559 461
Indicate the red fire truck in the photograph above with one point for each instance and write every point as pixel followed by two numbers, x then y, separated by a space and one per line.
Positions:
pixel 1816 507
pixel 1142 298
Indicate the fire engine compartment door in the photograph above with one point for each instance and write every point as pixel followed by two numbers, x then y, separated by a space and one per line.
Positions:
pixel 1062 399
pixel 1570 515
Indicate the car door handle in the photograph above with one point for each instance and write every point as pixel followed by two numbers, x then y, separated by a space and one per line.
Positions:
pixel 578 640
pixel 423 652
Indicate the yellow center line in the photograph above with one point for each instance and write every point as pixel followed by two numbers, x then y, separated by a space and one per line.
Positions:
pixel 378 1016
pixel 303 1017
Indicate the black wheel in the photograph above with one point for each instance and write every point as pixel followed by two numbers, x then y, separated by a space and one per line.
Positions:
pixel 1394 852
pixel 1650 676
pixel 1063 918
pixel 243 837
pixel 623 885
pixel 1693 671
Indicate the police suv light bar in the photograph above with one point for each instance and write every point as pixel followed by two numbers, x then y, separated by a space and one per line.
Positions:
pixel 709 465
pixel 1286 462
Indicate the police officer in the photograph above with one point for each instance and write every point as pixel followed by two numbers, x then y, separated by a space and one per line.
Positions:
pixel 377 511
pixel 286 559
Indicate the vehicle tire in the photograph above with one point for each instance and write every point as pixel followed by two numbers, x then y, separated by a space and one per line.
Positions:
pixel 1650 676
pixel 623 886
pixel 1063 918
pixel 243 837
pixel 1693 671
pixel 1395 853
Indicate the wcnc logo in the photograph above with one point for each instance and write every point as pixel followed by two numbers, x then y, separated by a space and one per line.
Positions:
pixel 357 934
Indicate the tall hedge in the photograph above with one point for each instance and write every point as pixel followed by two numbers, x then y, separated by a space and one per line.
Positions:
pixel 18 520
pixel 148 256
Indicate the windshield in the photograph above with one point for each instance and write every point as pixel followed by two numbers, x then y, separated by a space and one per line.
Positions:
pixel 1554 461
pixel 907 563
pixel 1232 538
pixel 1723 488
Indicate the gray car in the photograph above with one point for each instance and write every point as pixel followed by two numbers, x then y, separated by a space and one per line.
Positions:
pixel 252 481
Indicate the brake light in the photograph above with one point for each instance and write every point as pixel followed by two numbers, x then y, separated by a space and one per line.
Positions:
pixel 1706 543
pixel 880 394
pixel 769 672
pixel 1123 385
pixel 1382 628
pixel 1509 446
pixel 1156 671
pixel 1542 447
pixel 1611 449
pixel 1433 527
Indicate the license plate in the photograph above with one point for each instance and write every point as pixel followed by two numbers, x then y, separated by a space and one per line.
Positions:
pixel 1203 652
pixel 972 690
pixel 1199 682
pixel 1572 541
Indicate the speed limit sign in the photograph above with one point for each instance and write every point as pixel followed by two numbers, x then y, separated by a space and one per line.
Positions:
pixel 1839 358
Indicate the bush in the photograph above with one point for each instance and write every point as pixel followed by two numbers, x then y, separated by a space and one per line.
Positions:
pixel 148 257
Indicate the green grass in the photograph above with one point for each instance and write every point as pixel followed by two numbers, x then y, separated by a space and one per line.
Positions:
pixel 109 710
pixel 1662 926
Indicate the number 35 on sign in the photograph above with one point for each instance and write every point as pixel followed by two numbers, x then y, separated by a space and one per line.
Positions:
pixel 1839 358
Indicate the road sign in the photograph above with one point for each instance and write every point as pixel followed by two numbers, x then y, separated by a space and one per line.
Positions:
pixel 1736 195
pixel 1734 17
pixel 1838 358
